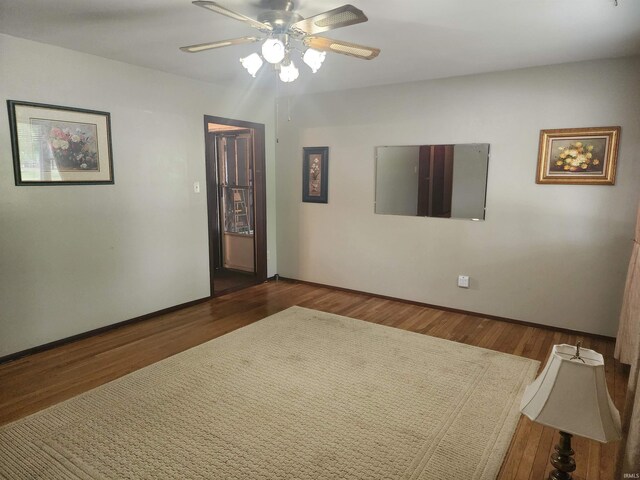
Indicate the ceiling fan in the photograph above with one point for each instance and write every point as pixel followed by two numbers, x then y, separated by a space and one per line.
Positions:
pixel 284 32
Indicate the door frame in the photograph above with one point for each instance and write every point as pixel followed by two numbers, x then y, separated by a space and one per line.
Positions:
pixel 259 194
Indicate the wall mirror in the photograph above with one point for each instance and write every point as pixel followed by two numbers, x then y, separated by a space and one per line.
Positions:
pixel 447 181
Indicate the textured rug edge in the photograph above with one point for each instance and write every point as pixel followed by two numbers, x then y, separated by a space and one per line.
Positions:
pixel 494 465
pixel 475 347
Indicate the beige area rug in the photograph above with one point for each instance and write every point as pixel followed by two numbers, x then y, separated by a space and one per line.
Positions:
pixel 299 395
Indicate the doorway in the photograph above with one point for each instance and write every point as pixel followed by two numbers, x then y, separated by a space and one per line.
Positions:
pixel 236 203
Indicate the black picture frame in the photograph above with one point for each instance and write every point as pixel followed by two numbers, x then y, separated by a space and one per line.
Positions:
pixel 58 145
pixel 315 174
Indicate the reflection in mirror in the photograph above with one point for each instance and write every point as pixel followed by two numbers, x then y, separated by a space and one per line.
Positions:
pixel 447 181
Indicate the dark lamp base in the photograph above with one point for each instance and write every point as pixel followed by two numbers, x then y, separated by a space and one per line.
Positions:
pixel 562 459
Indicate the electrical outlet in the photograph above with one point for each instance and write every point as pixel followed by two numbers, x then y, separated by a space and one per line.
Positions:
pixel 196 187
pixel 463 281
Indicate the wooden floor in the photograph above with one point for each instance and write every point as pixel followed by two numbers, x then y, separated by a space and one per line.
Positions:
pixel 226 280
pixel 43 379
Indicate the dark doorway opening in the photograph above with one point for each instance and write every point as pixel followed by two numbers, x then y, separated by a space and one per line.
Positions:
pixel 236 203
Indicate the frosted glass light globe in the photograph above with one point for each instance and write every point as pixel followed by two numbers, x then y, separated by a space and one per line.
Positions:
pixel 288 73
pixel 314 59
pixel 273 50
pixel 252 63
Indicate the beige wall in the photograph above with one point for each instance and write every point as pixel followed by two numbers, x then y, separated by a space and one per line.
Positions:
pixel 75 258
pixel 547 254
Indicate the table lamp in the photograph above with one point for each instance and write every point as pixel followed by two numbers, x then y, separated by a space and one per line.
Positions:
pixel 571 395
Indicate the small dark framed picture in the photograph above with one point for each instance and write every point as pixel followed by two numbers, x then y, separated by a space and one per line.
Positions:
pixel 54 145
pixel 582 156
pixel 315 174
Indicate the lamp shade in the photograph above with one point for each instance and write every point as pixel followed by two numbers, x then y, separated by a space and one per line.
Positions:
pixel 252 63
pixel 289 72
pixel 273 50
pixel 572 396
pixel 314 58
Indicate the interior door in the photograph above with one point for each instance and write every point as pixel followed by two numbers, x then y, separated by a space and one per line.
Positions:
pixel 236 203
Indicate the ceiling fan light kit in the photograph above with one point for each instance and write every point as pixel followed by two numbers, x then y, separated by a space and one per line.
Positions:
pixel 283 29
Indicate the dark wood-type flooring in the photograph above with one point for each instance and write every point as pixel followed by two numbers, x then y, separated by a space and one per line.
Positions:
pixel 226 280
pixel 37 381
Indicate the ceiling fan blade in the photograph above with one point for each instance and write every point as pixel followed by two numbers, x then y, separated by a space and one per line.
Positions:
pixel 214 7
pixel 336 18
pixel 338 46
pixel 219 44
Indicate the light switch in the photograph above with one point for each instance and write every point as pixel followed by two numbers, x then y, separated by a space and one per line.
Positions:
pixel 196 187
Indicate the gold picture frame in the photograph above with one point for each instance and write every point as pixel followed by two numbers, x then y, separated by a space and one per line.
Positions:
pixel 583 156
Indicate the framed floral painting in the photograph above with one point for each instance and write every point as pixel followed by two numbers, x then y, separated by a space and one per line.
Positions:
pixel 315 170
pixel 578 156
pixel 55 145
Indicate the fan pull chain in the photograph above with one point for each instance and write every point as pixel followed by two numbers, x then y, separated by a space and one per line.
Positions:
pixel 277 110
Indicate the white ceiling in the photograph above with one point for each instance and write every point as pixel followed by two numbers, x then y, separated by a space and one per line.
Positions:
pixel 419 39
